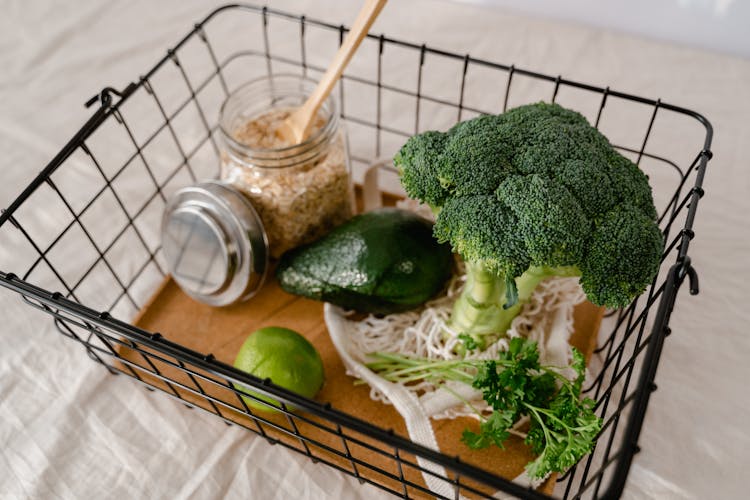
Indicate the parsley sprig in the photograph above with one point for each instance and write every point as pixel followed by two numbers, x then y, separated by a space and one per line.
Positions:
pixel 563 427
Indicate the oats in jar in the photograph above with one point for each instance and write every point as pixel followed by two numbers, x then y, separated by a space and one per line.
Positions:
pixel 300 191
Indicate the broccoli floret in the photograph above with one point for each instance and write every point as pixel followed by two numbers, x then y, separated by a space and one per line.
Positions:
pixel 421 179
pixel 623 257
pixel 550 220
pixel 478 143
pixel 528 194
pixel 479 240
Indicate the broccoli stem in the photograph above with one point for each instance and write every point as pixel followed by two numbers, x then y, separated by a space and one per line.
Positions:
pixel 479 311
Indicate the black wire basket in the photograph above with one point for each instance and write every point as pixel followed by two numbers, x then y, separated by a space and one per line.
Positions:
pixel 105 190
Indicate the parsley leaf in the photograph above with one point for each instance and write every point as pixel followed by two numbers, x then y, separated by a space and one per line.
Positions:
pixel 563 427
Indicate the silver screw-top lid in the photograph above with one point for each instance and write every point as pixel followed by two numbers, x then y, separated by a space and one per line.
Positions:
pixel 214 243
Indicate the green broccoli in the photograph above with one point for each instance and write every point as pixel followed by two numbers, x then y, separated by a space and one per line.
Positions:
pixel 532 193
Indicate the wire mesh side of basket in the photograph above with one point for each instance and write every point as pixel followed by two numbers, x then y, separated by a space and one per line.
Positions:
pixel 106 188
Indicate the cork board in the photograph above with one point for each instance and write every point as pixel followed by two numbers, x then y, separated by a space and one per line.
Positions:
pixel 221 332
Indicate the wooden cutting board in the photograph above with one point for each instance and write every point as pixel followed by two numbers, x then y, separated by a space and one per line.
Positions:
pixel 221 332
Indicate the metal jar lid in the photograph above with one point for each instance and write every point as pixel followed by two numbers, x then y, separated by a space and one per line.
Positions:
pixel 214 243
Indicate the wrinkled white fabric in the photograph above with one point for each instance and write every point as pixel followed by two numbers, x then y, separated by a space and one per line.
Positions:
pixel 68 430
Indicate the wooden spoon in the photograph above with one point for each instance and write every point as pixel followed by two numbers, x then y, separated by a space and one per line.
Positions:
pixel 296 127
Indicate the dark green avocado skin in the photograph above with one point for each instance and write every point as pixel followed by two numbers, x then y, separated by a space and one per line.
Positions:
pixel 380 262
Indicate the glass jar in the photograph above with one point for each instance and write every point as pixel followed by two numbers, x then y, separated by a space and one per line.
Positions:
pixel 300 191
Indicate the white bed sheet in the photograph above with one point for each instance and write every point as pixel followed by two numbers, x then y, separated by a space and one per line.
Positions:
pixel 69 431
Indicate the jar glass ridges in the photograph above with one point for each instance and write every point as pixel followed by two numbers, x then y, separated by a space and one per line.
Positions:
pixel 300 191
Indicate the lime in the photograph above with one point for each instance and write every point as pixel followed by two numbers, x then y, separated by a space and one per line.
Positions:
pixel 284 356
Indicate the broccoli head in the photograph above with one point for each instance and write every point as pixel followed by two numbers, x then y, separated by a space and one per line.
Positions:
pixel 528 194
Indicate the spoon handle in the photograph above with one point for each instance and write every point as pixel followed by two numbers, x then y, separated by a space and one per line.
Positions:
pixel 302 119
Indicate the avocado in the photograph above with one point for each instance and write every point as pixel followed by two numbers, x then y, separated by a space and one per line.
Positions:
pixel 381 262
